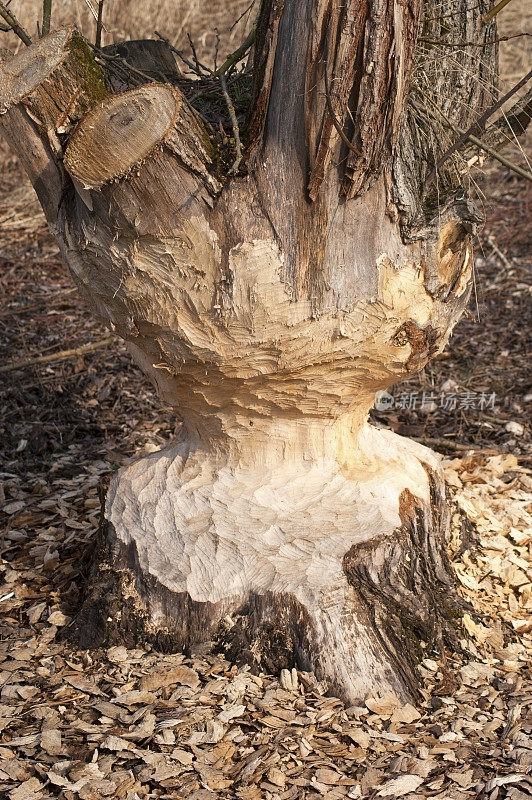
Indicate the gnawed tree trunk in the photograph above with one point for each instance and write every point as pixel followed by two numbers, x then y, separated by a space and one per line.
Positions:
pixel 269 307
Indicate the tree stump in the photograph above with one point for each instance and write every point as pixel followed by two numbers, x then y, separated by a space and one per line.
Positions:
pixel 268 307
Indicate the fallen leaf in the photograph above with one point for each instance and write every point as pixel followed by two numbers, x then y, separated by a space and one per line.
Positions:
pixel 29 790
pixel 51 741
pixel 397 787
pixel 159 678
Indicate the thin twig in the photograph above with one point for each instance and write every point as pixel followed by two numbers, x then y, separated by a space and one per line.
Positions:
pixel 91 9
pixel 121 62
pixel 242 15
pixel 449 444
pixel 496 249
pixel 216 49
pixel 211 89
pixel 183 58
pixel 453 13
pixel 234 122
pixel 99 25
pixel 118 71
pixel 62 355
pixel 443 43
pixel 200 68
pixel 497 156
pixel 46 17
pixel 334 119
pixel 495 10
pixel 14 24
pixel 464 136
pixel 237 56
pixel 478 125
pixel 511 124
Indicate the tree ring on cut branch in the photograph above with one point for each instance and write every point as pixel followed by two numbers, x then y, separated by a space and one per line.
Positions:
pixel 120 133
pixel 26 71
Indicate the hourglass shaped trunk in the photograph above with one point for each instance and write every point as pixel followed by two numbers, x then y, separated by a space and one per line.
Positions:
pixel 268 307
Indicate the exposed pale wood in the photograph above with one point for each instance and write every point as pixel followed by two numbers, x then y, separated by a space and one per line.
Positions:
pixel 249 517
pixel 56 78
pixel 279 524
pixel 299 547
pixel 368 49
pixel 120 136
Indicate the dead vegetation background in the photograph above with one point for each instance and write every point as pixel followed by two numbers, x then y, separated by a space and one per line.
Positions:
pixel 128 19
pixel 84 726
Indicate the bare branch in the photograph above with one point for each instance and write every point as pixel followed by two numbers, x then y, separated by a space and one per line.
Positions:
pixel 46 17
pixel 495 10
pixel 99 24
pixel 62 355
pixel 237 56
pixel 479 124
pixel 234 122
pixel 497 156
pixel 178 53
pixel 511 123
pixel 443 43
pixel 466 136
pixel 201 69
pixel 121 63
pixel 242 15
pixel 14 24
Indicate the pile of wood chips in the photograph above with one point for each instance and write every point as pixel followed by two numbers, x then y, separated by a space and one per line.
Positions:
pixel 131 725
pixel 136 724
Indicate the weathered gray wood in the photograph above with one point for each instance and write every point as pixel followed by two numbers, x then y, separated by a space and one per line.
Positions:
pixel 151 59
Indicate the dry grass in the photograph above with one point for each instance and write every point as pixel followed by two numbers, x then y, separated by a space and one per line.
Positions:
pixel 133 20
pixel 129 20
pixel 515 55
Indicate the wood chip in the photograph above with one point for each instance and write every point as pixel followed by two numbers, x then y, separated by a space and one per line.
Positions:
pixel 400 786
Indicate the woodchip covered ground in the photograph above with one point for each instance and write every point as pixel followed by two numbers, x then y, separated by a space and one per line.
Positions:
pixel 123 724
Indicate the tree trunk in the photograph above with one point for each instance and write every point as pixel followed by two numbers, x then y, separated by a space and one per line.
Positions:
pixel 268 307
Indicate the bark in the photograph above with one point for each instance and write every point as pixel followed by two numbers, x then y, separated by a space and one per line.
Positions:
pixel 268 307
